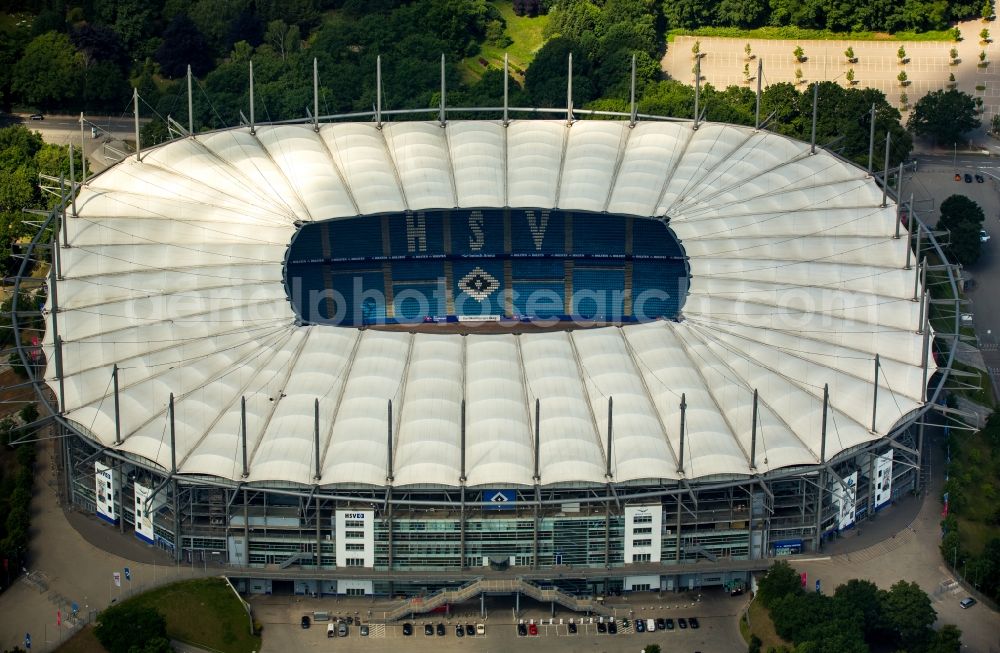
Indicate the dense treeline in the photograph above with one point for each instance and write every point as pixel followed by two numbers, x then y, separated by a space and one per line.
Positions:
pixel 857 618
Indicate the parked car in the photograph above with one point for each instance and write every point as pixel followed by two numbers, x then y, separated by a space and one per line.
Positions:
pixel 342 630
pixel 459 630
pixel 572 628
pixel 480 629
pixel 640 625
pixel 968 178
pixel 331 630
pixel 306 622
pixel 522 630
pixel 407 629
pixel 364 630
pixel 36 116
pixel 682 623
pixel 470 630
pixel 428 629
pixel 670 624
pixel 612 628
pixel 693 622
pixel 980 178
pixel 602 627
pixel 533 630
pixel 967 602
pixel 651 625
pixel 440 630
pixel 661 624
pixel 984 236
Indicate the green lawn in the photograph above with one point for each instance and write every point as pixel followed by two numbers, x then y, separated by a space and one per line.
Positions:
pixel 977 467
pixel 203 612
pixel 799 34
pixel 761 626
pixel 527 37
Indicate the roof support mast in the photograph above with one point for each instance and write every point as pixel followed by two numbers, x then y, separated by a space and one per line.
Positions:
pixel 316 475
pixel 680 456
pixel 611 408
pixel 632 110
pixel 826 408
pixel 135 115
pixel 253 128
pixel 462 476
pixel 72 188
pixel 388 449
pixel 442 112
pixel 753 433
pixel 190 104
pixel 917 261
pixel 569 91
pixel 538 476
pixel 506 100
pixel 378 91
pixel 173 437
pixel 697 90
pixel 812 139
pixel 83 151
pixel 243 434
pixel 875 394
pixel 315 95
pixel 760 74
pixel 118 415
pixel 899 198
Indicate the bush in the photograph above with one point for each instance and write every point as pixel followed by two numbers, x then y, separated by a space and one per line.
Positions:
pixel 121 628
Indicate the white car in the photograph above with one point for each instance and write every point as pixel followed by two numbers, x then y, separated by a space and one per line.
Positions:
pixel 480 629
pixel 983 236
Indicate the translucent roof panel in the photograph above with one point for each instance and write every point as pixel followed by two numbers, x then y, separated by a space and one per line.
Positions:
pixel 175 275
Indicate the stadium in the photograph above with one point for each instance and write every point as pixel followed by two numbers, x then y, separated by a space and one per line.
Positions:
pixel 389 357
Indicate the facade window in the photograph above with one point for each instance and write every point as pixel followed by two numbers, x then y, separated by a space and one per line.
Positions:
pixel 351 546
pixel 351 523
pixel 355 562
pixel 354 535
pixel 648 530
pixel 354 591
pixel 641 557
pixel 643 542
pixel 642 519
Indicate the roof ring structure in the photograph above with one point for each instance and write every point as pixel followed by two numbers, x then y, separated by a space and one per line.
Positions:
pixel 175 276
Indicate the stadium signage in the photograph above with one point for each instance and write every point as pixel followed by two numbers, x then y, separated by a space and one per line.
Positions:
pixel 354 515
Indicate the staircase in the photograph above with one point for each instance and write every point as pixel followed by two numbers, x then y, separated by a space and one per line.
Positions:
pixel 421 605
pixel 294 558
pixel 695 548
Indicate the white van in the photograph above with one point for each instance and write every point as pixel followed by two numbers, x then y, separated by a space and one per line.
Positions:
pixel 651 625
pixel 480 629
pixel 331 630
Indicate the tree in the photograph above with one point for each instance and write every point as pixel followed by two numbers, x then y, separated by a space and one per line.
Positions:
pixel 982 58
pixel 799 54
pixel 850 76
pixel 901 54
pixel 282 37
pixel 902 77
pixel 946 640
pixel 651 648
pixel 849 53
pixel 748 50
pixel 741 13
pixel 798 75
pixel 755 644
pixel 46 76
pixel 861 597
pixel 963 218
pixel 183 45
pixel 123 627
pixel 908 614
pixel 527 7
pixel 954 56
pixel 944 116
pixel 696 49
pixel 779 581
pixel 984 36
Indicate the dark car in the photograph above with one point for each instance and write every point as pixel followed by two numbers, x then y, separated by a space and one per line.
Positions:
pixel 572 628
pixel 306 621
pixel 342 630
pixel 661 624
pixel 693 622
pixel 364 630
pixel 968 178
pixel 670 624
pixel 682 623
pixel 36 116
pixel 980 178
pixel 407 630
pixel 440 630
pixel 612 628
pixel 470 630
pixel 602 627
pixel 640 625
pixel 522 630
pixel 428 629
pixel 459 630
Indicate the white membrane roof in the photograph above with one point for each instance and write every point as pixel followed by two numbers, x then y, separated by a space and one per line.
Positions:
pixel 174 274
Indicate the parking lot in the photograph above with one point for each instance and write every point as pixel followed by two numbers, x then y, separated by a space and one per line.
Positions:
pixel 716 614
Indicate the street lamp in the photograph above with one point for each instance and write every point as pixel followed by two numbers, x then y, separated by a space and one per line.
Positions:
pixel 954 158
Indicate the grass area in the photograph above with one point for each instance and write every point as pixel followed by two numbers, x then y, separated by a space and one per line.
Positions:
pixel 10 22
pixel 799 33
pixel 527 36
pixel 83 641
pixel 761 626
pixel 202 612
pixel 976 468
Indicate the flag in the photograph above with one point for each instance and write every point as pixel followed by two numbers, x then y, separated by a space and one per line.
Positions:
pixel 118 579
pixel 58 617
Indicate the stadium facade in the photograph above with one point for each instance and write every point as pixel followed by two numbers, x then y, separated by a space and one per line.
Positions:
pixel 382 357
